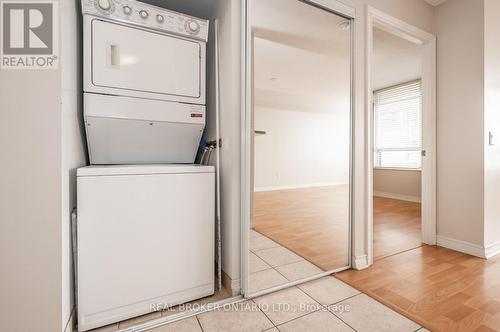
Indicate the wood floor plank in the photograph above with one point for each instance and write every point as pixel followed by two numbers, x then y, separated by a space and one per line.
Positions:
pixel 446 290
pixel 312 222
pixel 396 226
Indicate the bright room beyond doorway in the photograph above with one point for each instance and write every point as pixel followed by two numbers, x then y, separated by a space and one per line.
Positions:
pixel 397 144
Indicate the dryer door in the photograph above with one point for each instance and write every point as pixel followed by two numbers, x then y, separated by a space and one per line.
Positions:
pixel 135 60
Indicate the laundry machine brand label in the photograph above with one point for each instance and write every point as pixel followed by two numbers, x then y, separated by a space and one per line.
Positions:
pixel 29 34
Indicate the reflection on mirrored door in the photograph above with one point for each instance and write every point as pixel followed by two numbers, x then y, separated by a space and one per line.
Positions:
pixel 300 225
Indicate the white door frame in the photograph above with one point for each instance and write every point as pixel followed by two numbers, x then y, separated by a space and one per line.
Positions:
pixel 247 130
pixel 379 19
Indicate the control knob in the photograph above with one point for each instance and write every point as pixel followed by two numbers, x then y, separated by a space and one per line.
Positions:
pixel 104 4
pixel 127 10
pixel 144 14
pixel 192 27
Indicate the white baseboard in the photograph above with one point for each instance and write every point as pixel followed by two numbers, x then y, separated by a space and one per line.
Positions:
pixel 299 186
pixel 462 246
pixel 360 262
pixel 400 197
pixel 233 286
pixel 492 250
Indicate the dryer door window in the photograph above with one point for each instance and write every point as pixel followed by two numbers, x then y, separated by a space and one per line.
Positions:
pixel 140 60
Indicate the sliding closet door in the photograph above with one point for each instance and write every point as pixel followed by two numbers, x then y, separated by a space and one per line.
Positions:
pixel 300 224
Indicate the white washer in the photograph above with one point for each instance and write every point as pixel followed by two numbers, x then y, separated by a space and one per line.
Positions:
pixel 158 58
pixel 145 236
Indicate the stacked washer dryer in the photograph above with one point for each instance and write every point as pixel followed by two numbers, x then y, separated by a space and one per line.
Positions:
pixel 145 234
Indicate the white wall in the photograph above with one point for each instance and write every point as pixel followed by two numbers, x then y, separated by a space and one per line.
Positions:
pixel 460 120
pixel 397 183
pixel 300 149
pixel 492 121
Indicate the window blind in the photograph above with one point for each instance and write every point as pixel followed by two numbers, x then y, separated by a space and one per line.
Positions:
pixel 398 126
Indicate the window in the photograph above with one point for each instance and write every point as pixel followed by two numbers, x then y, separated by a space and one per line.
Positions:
pixel 398 126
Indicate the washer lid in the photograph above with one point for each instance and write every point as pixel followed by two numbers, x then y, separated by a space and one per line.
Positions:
pixel 109 170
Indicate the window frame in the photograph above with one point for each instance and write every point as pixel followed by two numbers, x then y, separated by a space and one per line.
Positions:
pixel 374 116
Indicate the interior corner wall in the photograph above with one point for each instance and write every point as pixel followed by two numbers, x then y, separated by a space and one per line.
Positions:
pixel 460 121
pixel 30 200
pixel 73 144
pixel 491 122
pixel 397 183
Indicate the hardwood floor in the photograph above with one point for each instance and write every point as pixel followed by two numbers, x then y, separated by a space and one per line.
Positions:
pixel 312 222
pixel 396 226
pixel 441 289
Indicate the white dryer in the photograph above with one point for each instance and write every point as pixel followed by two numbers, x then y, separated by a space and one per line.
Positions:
pixel 144 82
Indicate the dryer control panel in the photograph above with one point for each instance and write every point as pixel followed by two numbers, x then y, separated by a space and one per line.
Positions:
pixel 149 16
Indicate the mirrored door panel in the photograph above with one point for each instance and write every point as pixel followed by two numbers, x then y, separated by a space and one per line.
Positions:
pixel 301 61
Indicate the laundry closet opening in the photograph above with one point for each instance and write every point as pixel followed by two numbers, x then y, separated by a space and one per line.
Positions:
pixel 157 233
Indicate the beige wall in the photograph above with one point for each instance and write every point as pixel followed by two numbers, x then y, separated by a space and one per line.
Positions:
pixel 460 120
pixel 42 142
pixel 405 184
pixel 30 200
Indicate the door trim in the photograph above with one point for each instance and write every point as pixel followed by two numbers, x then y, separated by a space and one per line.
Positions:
pixel 388 23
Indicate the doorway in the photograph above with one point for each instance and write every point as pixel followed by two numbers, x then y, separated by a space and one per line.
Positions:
pixel 401 139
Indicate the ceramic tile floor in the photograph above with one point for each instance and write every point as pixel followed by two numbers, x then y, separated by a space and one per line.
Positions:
pixel 272 264
pixel 326 304
pixel 310 307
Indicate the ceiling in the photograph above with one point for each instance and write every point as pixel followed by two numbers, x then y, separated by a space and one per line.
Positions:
pixel 301 58
pixel 395 60
pixel 435 2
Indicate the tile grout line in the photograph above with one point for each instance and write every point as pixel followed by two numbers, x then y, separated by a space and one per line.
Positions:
pixel 274 325
pixel 385 306
pixel 199 323
pixel 307 313
pixel 293 319
pixel 325 306
pixel 312 312
pixel 350 297
pixel 342 320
